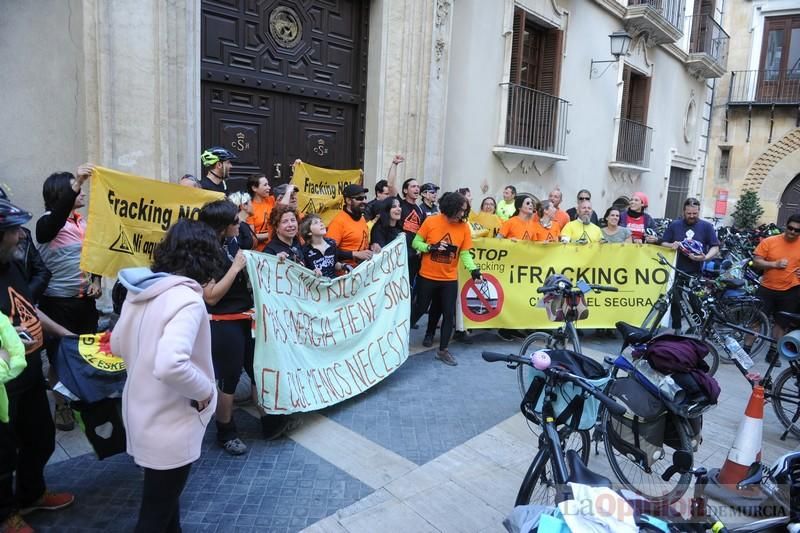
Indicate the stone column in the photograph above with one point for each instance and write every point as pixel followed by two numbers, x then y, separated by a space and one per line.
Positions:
pixel 407 100
pixel 143 85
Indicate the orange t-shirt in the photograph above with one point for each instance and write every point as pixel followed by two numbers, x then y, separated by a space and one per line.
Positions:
pixel 775 248
pixel 350 235
pixel 516 228
pixel 542 234
pixel 561 217
pixel 259 220
pixel 442 265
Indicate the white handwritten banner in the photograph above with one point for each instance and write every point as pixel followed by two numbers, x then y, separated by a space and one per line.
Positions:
pixel 320 341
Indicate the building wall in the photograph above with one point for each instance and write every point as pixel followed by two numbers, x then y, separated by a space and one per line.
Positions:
pixel 41 44
pixel 767 158
pixel 480 62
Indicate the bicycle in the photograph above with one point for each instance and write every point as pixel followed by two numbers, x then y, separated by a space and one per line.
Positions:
pixel 552 467
pixel 567 304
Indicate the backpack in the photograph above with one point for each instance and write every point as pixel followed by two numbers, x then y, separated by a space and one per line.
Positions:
pixel 639 433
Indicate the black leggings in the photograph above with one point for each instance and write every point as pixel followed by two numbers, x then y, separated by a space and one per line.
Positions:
pixel 231 350
pixel 160 510
pixel 443 293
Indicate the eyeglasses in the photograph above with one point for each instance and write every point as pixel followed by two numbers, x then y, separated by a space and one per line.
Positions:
pixel 583 198
pixel 793 229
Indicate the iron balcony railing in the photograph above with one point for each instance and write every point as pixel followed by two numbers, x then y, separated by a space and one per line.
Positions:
pixel 536 120
pixel 671 10
pixel 634 143
pixel 708 37
pixel 765 87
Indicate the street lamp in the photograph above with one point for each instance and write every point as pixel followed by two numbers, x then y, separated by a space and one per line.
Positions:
pixel 620 41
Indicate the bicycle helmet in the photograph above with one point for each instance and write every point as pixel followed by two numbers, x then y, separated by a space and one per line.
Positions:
pixel 558 280
pixel 215 154
pixel 12 216
pixel 691 247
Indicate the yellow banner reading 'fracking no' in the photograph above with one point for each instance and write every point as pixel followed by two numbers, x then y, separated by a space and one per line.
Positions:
pixel 514 270
pixel 320 189
pixel 128 216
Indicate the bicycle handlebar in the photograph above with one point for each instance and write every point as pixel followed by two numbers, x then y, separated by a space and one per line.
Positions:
pixel 560 375
pixel 565 289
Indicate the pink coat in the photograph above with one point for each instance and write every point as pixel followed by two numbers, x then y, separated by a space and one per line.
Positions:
pixel 163 335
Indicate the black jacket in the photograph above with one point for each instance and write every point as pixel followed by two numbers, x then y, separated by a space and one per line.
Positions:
pixel 36 272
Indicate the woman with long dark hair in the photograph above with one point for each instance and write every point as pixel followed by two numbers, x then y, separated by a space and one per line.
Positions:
pixel 521 226
pixel 229 303
pixel 388 225
pixel 443 240
pixel 164 337
pixel 70 296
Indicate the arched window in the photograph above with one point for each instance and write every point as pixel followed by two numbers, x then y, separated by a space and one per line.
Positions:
pixel 790 201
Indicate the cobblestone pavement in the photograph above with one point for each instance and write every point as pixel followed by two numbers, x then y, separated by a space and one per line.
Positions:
pixel 431 448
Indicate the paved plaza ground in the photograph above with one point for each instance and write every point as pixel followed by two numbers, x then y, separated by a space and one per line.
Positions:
pixel 431 448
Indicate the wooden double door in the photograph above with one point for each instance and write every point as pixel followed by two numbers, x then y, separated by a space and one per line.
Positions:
pixel 282 80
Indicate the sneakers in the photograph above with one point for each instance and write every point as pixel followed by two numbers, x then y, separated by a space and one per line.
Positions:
pixel 506 334
pixel 63 417
pixel 446 357
pixel 50 501
pixel 427 341
pixel 15 524
pixel 234 446
pixel 462 336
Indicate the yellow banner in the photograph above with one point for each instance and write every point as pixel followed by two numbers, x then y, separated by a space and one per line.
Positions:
pixel 514 270
pixel 128 216
pixel 320 189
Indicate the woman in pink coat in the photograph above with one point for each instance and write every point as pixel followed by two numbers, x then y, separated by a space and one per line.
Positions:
pixel 164 337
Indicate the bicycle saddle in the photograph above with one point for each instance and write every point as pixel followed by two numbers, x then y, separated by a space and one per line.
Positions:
pixel 794 318
pixel 580 473
pixel 633 334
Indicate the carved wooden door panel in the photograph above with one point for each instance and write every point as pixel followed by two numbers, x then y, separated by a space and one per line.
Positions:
pixel 790 201
pixel 291 75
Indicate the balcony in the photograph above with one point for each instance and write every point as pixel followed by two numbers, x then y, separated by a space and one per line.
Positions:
pixel 765 87
pixel 535 129
pixel 661 20
pixel 708 47
pixel 633 145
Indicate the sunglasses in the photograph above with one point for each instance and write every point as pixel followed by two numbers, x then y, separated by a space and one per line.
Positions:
pixel 793 229
pixel 583 198
pixel 359 198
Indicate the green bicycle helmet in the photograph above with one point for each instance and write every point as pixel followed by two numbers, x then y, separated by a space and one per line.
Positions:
pixel 215 154
pixel 12 216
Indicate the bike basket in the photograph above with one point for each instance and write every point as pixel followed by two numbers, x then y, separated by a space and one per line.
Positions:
pixel 570 401
pixel 639 433
pixel 558 308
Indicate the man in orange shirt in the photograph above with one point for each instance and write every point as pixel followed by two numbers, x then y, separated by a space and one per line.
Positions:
pixel 779 258
pixel 349 228
pixel 561 216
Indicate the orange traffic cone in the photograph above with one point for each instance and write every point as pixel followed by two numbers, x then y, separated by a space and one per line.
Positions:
pixel 746 449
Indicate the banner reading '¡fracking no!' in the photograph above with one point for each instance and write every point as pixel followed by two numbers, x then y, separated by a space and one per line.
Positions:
pixel 128 216
pixel 514 270
pixel 320 189
pixel 320 341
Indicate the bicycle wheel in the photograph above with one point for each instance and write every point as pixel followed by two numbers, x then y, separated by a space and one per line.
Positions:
pixel 714 353
pixel 539 340
pixel 786 398
pixel 539 486
pixel 649 485
pixel 748 315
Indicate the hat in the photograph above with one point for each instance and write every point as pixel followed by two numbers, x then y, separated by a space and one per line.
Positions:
pixel 641 196
pixel 429 187
pixel 353 190
pixel 280 190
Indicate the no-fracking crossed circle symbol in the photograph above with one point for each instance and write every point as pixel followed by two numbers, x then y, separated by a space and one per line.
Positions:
pixel 482 301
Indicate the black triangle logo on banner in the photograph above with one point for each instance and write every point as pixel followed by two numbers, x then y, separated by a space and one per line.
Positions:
pixel 122 244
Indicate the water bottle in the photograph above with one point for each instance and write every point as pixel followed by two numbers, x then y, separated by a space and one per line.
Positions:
pixel 737 352
pixel 664 385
